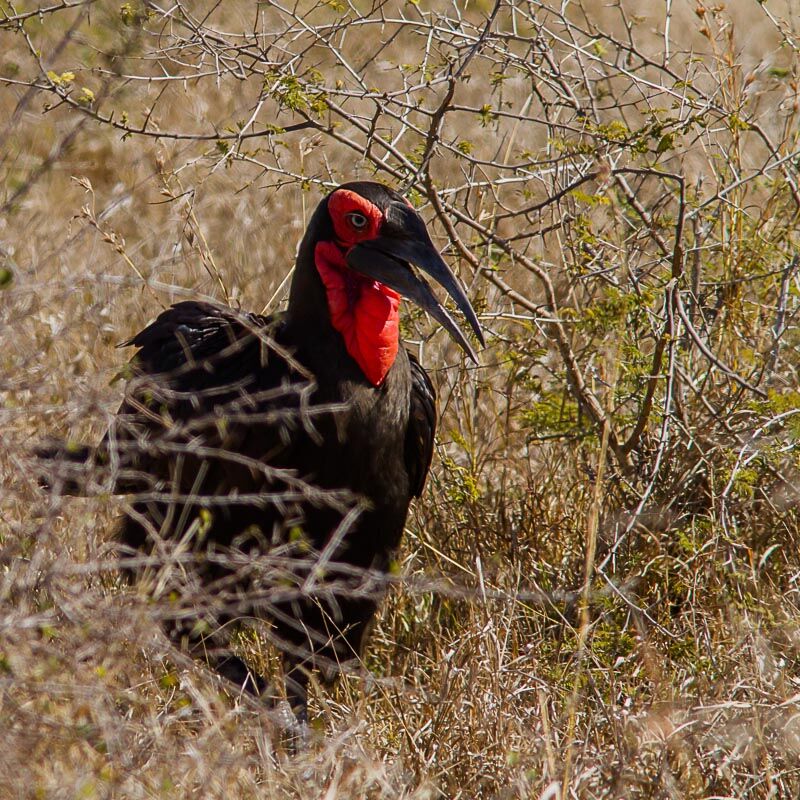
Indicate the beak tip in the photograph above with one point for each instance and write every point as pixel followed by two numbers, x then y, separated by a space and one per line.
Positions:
pixel 472 318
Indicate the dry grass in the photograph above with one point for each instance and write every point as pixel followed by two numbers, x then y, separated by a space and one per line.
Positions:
pixel 507 663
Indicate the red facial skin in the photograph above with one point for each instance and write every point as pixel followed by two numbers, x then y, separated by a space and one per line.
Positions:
pixel 364 311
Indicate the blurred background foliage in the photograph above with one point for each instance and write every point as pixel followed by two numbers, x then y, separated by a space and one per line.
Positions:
pixel 599 587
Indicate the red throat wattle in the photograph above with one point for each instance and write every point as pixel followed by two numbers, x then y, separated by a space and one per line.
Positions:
pixel 365 312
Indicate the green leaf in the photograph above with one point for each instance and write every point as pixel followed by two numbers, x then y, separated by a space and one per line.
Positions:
pixel 86 97
pixel 64 79
pixel 486 115
pixel 666 142
pixel 778 72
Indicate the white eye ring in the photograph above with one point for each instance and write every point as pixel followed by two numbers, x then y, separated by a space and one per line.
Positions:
pixel 357 220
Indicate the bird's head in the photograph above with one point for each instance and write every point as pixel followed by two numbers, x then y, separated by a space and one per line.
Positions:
pixel 367 239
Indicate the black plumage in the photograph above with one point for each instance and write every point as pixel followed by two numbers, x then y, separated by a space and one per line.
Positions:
pixel 267 472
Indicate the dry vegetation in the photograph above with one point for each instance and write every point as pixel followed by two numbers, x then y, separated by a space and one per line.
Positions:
pixel 599 592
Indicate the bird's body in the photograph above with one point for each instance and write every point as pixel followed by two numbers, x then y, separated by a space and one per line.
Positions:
pixel 249 461
pixel 272 459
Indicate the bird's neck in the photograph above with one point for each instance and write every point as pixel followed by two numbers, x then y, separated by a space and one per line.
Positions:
pixel 365 312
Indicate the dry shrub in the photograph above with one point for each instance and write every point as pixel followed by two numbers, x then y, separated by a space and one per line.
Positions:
pixel 599 594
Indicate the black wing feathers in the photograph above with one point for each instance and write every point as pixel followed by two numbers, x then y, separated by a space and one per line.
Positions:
pixel 421 427
pixel 191 335
pixel 203 375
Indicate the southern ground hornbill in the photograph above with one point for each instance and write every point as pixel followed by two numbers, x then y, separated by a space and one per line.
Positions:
pixel 272 459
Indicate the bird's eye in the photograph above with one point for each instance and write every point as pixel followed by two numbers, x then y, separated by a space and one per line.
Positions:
pixel 357 220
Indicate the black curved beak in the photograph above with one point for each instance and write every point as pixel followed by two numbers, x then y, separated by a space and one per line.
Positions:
pixel 403 241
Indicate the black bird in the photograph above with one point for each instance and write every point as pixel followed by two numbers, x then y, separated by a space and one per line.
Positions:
pixel 272 459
